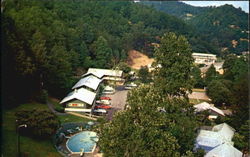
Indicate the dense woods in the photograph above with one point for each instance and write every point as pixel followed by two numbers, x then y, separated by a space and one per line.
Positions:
pixel 221 29
pixel 47 44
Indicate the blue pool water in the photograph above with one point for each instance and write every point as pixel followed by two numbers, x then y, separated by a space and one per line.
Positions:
pixel 85 140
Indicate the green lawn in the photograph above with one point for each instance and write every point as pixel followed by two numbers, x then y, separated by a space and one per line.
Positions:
pixel 72 118
pixel 29 146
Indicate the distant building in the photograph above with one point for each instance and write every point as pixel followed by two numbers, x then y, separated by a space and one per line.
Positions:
pixel 204 58
pixel 217 142
pixel 106 74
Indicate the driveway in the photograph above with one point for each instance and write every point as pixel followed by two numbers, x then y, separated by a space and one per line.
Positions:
pixel 118 101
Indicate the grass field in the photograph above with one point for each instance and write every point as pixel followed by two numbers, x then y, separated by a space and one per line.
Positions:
pixel 30 147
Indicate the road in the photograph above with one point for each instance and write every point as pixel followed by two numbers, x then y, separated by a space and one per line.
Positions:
pixel 118 101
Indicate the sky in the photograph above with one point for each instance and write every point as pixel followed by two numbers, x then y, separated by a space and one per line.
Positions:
pixel 243 4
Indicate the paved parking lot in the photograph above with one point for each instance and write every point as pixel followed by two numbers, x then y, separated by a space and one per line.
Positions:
pixel 118 101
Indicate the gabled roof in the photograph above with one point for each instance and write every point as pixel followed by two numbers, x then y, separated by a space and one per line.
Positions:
pixel 89 81
pixel 224 130
pixel 219 135
pixel 206 106
pixel 104 72
pixel 208 140
pixel 80 94
pixel 224 150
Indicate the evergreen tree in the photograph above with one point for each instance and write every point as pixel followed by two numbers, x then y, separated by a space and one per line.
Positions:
pixel 102 53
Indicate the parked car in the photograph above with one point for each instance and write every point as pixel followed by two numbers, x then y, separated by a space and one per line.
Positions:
pixel 100 111
pixel 130 86
pixel 105 98
pixel 103 107
pixel 108 90
pixel 105 102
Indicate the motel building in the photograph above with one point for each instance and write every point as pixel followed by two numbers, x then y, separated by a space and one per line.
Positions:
pixel 107 75
pixel 79 100
pixel 82 98
pixel 204 58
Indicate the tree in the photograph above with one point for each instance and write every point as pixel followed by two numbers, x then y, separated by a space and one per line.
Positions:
pixel 211 74
pixel 235 67
pixel 124 67
pixel 102 53
pixel 144 74
pixel 173 65
pixel 40 123
pixel 152 126
pixel 219 93
pixel 196 76
pixel 59 71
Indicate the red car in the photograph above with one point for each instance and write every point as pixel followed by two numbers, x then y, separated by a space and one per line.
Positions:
pixel 105 98
pixel 102 107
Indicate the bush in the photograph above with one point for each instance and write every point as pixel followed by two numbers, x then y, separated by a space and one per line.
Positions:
pixel 59 109
pixel 40 123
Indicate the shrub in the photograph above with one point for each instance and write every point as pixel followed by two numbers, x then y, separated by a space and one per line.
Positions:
pixel 59 109
pixel 40 123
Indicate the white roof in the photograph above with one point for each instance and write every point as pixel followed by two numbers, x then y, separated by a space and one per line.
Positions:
pixel 206 106
pixel 224 130
pixel 204 54
pixel 224 150
pixel 104 72
pixel 208 139
pixel 82 95
pixel 89 81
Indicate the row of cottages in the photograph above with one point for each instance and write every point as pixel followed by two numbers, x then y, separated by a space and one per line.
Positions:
pixel 217 141
pixel 84 92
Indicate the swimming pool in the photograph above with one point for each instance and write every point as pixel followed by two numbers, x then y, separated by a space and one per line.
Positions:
pixel 82 142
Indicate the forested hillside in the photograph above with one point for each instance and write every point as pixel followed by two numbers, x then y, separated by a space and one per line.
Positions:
pixel 178 9
pixel 225 27
pixel 47 44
